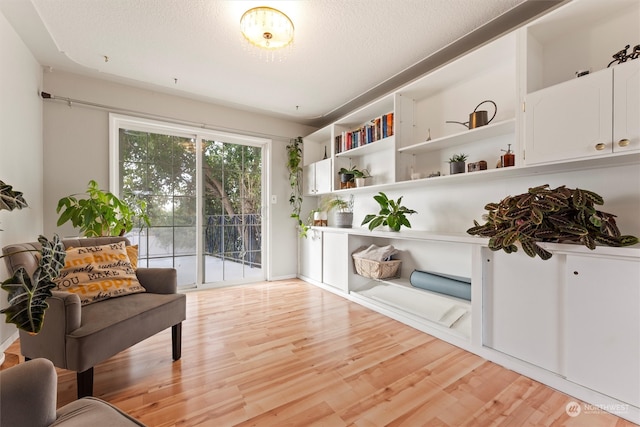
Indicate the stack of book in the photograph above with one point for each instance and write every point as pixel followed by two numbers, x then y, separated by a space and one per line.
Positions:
pixel 377 129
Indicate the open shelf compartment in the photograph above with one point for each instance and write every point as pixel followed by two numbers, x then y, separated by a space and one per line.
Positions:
pixel 441 311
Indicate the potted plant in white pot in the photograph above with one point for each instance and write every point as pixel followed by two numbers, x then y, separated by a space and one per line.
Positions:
pixel 360 176
pixel 350 177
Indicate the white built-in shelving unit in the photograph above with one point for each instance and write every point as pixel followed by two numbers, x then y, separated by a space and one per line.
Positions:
pixel 554 123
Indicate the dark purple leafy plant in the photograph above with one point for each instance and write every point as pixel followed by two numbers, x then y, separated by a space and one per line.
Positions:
pixel 549 215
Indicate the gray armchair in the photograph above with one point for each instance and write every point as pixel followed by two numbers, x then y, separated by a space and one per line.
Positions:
pixel 28 398
pixel 76 337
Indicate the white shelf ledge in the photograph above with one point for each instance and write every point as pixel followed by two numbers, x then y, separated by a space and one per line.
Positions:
pixel 484 132
pixel 372 147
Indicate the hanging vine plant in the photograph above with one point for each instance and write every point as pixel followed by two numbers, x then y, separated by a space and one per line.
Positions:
pixel 549 215
pixel 294 166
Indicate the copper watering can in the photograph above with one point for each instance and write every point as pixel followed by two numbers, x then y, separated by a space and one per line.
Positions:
pixel 478 118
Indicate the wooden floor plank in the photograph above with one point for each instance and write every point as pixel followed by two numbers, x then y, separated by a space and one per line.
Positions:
pixel 290 354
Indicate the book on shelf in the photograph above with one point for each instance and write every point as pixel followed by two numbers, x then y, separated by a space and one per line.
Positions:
pixel 372 131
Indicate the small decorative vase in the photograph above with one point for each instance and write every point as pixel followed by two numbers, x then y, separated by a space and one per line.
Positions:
pixel 360 182
pixel 320 219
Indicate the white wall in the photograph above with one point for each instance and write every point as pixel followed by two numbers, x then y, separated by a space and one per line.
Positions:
pixel 453 207
pixel 20 147
pixel 76 147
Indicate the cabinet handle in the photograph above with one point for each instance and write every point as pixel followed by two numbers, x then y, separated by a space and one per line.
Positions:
pixel 601 146
pixel 624 142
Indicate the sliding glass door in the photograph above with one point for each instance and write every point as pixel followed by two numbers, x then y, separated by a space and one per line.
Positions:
pixel 204 197
pixel 232 183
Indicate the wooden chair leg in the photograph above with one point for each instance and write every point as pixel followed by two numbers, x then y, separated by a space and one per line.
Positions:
pixel 85 383
pixel 176 341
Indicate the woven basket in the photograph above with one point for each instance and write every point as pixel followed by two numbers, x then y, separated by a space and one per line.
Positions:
pixel 377 269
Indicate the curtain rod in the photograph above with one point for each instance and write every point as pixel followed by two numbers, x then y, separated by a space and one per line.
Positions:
pixel 71 101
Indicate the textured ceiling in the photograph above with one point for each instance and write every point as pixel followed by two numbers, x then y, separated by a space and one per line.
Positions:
pixel 194 48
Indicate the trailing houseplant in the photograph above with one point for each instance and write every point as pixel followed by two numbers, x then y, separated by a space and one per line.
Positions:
pixel 392 214
pixel 27 294
pixel 549 215
pixel 100 213
pixel 294 167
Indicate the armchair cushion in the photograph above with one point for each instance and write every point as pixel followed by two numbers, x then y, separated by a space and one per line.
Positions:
pixel 120 322
pixel 96 273
pixel 93 412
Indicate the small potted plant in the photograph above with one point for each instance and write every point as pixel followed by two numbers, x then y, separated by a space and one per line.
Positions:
pixel 392 214
pixel 349 175
pixel 344 210
pixel 360 176
pixel 457 163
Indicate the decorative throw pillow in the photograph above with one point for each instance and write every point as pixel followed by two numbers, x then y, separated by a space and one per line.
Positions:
pixel 132 253
pixel 96 273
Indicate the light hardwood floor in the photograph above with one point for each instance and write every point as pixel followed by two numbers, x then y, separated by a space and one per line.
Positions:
pixel 290 354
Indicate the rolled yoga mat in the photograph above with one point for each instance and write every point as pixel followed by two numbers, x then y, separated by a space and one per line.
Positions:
pixel 459 287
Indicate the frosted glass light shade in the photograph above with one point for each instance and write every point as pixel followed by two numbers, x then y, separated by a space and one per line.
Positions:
pixel 267 28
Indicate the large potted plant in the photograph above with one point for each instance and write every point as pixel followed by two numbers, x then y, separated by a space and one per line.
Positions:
pixel 27 294
pixel 392 214
pixel 549 215
pixel 100 213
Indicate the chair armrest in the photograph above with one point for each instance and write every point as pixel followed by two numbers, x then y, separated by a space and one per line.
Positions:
pixel 28 394
pixel 61 318
pixel 158 280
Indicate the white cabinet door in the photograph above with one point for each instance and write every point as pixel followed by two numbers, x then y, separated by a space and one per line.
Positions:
pixel 626 106
pixel 311 255
pixel 571 120
pixel 323 176
pixel 335 260
pixel 309 179
pixel 521 313
pixel 317 177
pixel 603 326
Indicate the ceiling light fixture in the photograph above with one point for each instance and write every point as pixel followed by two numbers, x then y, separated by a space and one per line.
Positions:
pixel 267 28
